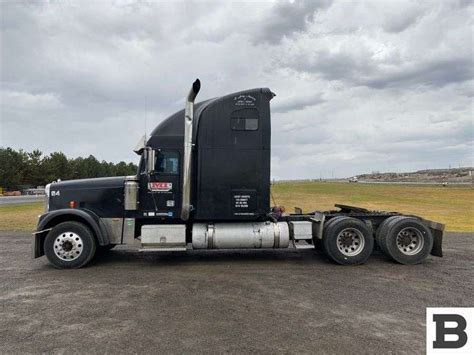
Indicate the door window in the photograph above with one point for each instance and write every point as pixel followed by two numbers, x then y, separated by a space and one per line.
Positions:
pixel 167 163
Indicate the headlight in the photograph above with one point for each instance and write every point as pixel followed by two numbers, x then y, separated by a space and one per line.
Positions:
pixel 46 192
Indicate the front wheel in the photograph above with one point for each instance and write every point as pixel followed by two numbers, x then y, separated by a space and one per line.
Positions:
pixel 348 241
pixel 70 245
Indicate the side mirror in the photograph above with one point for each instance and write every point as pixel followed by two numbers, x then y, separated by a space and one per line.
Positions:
pixel 149 160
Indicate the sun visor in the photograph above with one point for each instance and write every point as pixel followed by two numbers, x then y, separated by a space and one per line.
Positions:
pixel 140 145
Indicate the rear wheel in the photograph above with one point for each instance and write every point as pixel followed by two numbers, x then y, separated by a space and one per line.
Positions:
pixel 348 241
pixel 318 243
pixel 408 241
pixel 69 245
pixel 382 230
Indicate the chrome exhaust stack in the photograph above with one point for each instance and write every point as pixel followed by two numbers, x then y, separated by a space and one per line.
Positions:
pixel 188 146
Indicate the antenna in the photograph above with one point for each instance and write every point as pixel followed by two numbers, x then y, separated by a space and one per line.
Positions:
pixel 146 112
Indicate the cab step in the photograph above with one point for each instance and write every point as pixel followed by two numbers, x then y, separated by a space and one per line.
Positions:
pixel 163 238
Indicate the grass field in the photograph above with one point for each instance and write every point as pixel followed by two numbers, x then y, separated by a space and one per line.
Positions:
pixel 21 217
pixel 451 205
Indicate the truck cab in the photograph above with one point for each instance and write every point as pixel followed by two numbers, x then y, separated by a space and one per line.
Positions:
pixel 230 162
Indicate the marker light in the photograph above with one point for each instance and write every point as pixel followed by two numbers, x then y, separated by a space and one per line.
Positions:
pixel 72 204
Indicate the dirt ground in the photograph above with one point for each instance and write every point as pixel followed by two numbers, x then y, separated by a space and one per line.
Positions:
pixel 225 301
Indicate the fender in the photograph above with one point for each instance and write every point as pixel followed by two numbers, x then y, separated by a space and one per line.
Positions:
pixel 44 225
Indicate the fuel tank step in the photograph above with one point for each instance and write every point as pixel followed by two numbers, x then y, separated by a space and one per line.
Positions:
pixel 302 244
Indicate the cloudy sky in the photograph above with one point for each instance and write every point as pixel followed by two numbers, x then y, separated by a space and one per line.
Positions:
pixel 361 85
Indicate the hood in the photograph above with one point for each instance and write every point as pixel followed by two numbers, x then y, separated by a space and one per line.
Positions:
pixel 94 183
pixel 102 196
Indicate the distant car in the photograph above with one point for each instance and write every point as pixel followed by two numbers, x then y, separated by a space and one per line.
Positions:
pixel 354 179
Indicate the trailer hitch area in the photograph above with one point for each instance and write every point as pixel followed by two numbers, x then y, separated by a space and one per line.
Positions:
pixel 350 209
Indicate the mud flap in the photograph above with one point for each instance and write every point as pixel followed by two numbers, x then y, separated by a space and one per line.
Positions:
pixel 437 242
pixel 38 241
pixel 437 230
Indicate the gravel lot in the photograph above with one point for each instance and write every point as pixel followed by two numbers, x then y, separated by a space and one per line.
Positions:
pixel 225 301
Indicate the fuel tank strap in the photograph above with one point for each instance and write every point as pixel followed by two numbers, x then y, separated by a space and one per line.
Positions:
pixel 277 233
pixel 210 236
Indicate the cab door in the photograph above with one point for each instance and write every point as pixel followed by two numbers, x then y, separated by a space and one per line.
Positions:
pixel 160 191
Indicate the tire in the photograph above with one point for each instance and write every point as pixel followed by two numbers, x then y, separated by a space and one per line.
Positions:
pixel 348 241
pixel 407 241
pixel 70 245
pixel 331 221
pixel 318 243
pixel 382 231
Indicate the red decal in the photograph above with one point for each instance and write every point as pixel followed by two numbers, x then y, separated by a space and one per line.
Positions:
pixel 160 186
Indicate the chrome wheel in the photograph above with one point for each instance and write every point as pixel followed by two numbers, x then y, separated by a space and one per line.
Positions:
pixel 68 246
pixel 410 241
pixel 350 242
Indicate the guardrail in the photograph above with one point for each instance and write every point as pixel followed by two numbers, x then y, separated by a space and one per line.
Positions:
pixel 12 200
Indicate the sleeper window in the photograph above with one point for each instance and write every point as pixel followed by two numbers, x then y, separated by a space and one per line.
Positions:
pixel 244 120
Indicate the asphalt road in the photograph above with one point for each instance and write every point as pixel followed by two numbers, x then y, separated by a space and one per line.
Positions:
pixel 14 200
pixel 284 301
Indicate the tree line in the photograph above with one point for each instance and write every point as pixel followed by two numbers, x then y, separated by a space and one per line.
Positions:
pixel 20 169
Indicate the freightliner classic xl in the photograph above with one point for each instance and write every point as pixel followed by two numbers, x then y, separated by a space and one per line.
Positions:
pixel 203 182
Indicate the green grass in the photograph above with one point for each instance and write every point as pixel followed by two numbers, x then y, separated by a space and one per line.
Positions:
pixel 449 205
pixel 21 217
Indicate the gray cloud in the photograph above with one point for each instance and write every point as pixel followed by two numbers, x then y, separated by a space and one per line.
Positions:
pixel 402 20
pixel 330 66
pixel 285 18
pixel 438 73
pixel 360 71
pixel 360 86
pixel 297 102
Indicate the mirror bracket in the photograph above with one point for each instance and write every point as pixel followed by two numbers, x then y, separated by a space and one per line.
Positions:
pixel 149 160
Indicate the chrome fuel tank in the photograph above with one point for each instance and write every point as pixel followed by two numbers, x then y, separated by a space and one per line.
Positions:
pixel 240 235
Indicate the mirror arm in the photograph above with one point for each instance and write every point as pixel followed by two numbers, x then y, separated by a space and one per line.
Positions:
pixel 149 160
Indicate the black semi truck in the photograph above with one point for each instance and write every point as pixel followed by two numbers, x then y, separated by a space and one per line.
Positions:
pixel 203 182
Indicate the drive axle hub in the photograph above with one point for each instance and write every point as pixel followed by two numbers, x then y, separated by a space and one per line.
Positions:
pixel 410 241
pixel 350 241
